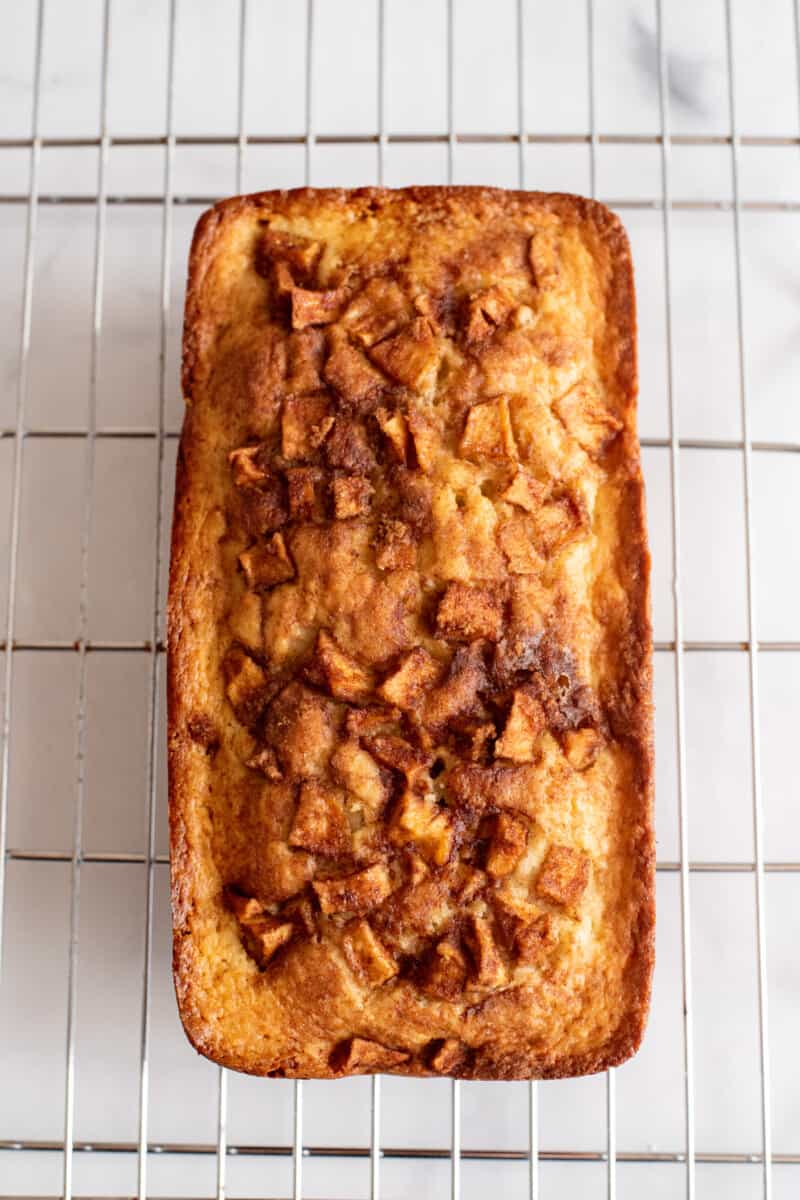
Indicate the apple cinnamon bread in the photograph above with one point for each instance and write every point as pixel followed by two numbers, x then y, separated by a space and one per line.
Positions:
pixel 410 743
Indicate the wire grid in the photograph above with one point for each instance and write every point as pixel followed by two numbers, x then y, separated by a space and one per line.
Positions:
pixel 22 435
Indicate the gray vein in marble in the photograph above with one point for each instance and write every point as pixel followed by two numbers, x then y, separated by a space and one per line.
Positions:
pixel 685 72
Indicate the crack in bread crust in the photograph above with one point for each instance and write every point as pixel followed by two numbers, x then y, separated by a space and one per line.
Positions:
pixel 409 679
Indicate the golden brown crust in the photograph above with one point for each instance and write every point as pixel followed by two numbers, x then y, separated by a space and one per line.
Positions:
pixel 341 952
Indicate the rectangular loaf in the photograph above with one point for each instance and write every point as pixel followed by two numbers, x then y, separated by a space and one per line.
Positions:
pixel 410 744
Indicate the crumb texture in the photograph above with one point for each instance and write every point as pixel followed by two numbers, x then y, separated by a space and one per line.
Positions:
pixel 409 646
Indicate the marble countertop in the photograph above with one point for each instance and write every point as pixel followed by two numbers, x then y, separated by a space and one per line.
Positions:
pixel 707 388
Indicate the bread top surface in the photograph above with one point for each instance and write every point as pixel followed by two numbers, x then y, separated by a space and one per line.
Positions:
pixel 409 675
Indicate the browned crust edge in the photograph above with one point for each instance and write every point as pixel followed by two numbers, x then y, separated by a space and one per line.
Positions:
pixel 621 314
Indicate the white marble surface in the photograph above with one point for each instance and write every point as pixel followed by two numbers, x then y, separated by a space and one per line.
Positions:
pixel 42 770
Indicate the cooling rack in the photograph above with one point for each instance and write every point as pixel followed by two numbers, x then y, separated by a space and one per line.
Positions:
pixel 122 122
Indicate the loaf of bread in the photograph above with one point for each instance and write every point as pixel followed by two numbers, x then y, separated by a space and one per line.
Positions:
pixel 410 743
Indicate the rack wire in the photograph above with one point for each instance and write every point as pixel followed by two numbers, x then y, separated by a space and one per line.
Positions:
pixel 680 703
pixel 23 433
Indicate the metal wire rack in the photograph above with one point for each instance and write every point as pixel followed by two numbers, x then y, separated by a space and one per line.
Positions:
pixel 764 1164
